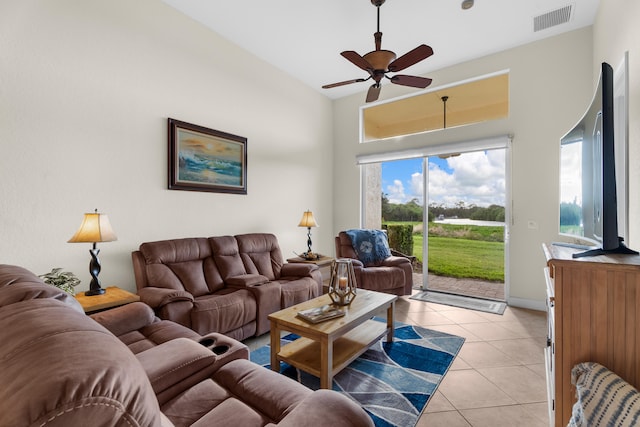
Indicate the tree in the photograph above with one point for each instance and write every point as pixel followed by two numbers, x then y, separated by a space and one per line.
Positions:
pixel 570 214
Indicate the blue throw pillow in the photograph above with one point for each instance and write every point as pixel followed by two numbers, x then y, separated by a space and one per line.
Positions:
pixel 371 246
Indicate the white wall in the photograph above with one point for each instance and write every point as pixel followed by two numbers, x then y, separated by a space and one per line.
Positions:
pixel 550 87
pixel 615 31
pixel 86 88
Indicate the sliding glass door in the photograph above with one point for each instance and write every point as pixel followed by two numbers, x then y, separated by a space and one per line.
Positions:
pixel 456 204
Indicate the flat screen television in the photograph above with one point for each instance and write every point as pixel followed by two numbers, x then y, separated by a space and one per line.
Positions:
pixel 588 202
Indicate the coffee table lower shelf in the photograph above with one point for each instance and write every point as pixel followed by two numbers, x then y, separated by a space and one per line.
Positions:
pixel 306 354
pixel 325 348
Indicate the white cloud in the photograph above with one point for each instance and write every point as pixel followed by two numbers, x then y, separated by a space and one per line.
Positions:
pixel 395 192
pixel 476 178
pixel 416 185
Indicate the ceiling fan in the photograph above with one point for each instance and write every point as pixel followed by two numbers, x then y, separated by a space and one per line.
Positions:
pixel 380 62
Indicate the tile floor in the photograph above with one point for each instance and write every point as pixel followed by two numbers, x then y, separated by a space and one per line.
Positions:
pixel 498 378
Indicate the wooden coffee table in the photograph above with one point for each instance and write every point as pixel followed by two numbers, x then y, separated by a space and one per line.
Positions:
pixel 326 348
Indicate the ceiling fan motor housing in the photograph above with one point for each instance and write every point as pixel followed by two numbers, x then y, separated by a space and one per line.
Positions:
pixel 380 59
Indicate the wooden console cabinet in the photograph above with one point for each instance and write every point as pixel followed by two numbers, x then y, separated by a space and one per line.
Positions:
pixel 594 315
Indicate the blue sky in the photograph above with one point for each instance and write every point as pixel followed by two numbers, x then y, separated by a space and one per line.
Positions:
pixel 475 178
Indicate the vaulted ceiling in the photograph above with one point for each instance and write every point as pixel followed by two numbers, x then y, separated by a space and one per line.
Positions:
pixel 304 38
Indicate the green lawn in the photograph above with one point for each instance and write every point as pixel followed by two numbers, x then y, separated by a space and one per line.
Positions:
pixel 466 258
pixel 462 257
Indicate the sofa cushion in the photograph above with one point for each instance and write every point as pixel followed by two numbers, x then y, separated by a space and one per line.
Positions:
pixel 297 291
pixel 154 334
pixel 63 369
pixel 604 399
pixel 182 264
pixel 176 250
pixel 227 256
pixel 382 278
pixel 257 385
pixel 223 311
pixel 11 274
pixel 176 365
pixel 137 326
pixel 371 246
pixel 219 408
pixel 261 254
pixel 30 287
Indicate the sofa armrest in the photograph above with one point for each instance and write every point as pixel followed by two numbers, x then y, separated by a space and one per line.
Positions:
pixel 395 261
pixel 246 280
pixel 356 263
pixel 326 407
pixel 174 366
pixel 158 297
pixel 126 318
pixel 225 348
pixel 297 269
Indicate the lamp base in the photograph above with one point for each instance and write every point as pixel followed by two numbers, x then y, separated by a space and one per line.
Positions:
pixel 93 292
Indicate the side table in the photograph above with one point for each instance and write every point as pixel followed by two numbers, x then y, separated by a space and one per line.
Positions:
pixel 324 262
pixel 113 297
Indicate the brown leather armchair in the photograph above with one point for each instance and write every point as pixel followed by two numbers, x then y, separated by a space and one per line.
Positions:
pixel 392 275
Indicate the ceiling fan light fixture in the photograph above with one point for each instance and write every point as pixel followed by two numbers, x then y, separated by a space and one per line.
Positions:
pixel 467 4
pixel 380 59
pixel 379 62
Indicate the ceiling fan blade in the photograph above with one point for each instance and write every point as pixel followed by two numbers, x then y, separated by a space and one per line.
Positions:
pixel 357 60
pixel 346 82
pixel 413 81
pixel 373 93
pixel 412 57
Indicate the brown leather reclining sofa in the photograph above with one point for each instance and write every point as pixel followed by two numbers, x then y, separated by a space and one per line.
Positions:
pixel 125 368
pixel 226 284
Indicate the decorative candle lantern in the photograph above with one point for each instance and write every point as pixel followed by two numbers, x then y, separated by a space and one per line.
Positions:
pixel 342 288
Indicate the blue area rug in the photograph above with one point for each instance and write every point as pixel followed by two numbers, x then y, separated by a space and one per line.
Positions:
pixel 393 382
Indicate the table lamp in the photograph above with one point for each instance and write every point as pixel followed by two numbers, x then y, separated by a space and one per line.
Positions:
pixel 308 221
pixel 95 228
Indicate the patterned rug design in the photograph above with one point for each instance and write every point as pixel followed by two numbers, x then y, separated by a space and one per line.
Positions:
pixel 393 382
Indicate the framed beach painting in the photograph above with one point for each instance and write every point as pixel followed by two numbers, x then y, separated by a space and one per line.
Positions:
pixel 202 159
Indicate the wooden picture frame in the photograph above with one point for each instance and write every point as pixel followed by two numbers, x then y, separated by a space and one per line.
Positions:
pixel 203 159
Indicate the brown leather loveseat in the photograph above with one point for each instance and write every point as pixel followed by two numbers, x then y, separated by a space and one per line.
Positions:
pixel 125 367
pixel 226 284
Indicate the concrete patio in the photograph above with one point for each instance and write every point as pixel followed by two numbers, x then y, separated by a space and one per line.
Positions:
pixel 468 287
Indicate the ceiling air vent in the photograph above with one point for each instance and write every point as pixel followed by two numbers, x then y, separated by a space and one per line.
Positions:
pixel 551 19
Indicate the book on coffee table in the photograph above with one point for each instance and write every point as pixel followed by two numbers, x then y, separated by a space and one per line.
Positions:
pixel 320 314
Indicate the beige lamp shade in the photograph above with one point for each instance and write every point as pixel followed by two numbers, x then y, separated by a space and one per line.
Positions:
pixel 95 228
pixel 308 220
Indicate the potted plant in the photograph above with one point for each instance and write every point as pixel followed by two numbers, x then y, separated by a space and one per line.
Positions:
pixel 64 280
